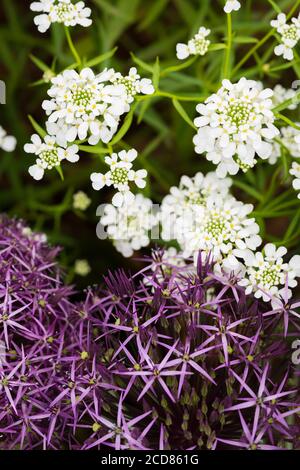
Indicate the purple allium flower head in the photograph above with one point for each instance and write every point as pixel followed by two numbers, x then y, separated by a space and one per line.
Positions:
pixel 172 357
pixel 209 365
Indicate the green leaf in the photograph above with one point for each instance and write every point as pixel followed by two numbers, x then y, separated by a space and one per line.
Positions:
pixel 60 172
pixel 101 58
pixel 216 47
pixel 276 7
pixel 177 67
pixel 156 74
pixel 141 63
pixel 248 189
pixel 39 63
pixel 293 226
pixel 153 13
pixel 93 149
pixel 37 127
pixel 179 108
pixel 244 40
pixel 125 127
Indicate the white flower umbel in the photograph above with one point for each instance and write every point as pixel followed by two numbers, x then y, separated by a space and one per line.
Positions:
pixel 290 137
pixel 185 199
pixel 129 226
pixel 198 45
pixel 88 104
pixel 7 142
pixel 289 35
pixel 223 229
pixel 120 176
pixel 81 201
pixel 232 5
pixel 235 126
pixel 295 171
pixel 133 83
pixel 60 11
pixel 267 275
pixel 281 94
pixel 49 155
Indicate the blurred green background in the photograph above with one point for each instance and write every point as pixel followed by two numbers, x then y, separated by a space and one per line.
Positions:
pixel 149 29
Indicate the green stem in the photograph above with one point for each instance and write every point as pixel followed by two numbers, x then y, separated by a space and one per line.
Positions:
pixel 226 71
pixel 287 121
pixel 72 47
pixel 252 51
pixel 263 40
pixel 285 104
pixel 176 68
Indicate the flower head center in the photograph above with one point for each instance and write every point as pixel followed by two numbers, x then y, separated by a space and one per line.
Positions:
pixel 216 225
pixel 119 176
pixel 291 32
pixel 81 96
pixel 200 44
pixel 129 85
pixel 238 112
pixel 195 198
pixel 50 158
pixel 62 10
pixel 269 275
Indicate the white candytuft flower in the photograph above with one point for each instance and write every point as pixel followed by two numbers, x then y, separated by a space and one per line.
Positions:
pixel 134 84
pixel 49 155
pixel 235 126
pixel 281 94
pixel 290 137
pixel 88 105
pixel 120 176
pixel 198 45
pixel 186 198
pixel 232 5
pixel 60 11
pixel 290 35
pixel 287 133
pixel 223 229
pixel 7 142
pixel 201 215
pixel 295 171
pixel 129 226
pixel 81 201
pixel 267 275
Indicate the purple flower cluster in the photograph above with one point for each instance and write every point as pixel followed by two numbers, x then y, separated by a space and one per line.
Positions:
pixel 170 358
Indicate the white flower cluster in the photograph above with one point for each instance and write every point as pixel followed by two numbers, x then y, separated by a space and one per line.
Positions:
pixel 134 84
pixel 7 142
pixel 129 226
pixel 87 105
pixel 281 94
pixel 267 275
pixel 198 45
pixel 295 171
pixel 235 125
pixel 232 5
pixel 201 215
pixel 120 176
pixel 60 11
pixel 290 137
pixel 183 201
pixel 49 155
pixel 289 35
